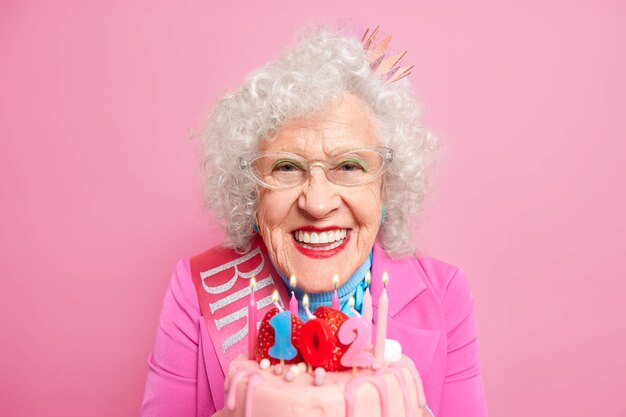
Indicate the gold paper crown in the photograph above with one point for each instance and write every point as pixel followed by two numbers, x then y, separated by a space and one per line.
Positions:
pixel 385 67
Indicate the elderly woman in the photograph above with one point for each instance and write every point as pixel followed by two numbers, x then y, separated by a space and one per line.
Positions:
pixel 316 165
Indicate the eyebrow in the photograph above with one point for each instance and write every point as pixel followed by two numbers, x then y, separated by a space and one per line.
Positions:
pixel 336 152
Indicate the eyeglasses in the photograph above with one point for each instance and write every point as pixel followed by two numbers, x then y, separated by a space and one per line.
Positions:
pixel 286 170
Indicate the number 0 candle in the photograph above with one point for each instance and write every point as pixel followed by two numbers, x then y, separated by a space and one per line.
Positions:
pixel 381 322
pixel 316 342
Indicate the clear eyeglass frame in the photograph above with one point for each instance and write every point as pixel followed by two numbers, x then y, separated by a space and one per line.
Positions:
pixel 253 164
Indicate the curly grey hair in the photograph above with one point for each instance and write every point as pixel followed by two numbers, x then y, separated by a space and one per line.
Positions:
pixel 319 69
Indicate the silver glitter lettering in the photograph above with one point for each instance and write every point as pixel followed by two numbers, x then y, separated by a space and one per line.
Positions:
pixel 234 338
pixel 264 302
pixel 226 320
pixel 233 264
pixel 243 312
pixel 230 298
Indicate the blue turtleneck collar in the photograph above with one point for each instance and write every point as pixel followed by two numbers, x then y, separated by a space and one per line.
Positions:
pixel 354 286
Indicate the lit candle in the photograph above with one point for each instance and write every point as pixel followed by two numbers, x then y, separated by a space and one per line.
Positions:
pixel 381 323
pixel 275 299
pixel 351 307
pixel 305 303
pixel 252 320
pixel 293 303
pixel 367 307
pixel 335 301
pixel 355 333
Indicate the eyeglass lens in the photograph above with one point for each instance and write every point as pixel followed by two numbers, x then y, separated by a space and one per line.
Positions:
pixel 286 170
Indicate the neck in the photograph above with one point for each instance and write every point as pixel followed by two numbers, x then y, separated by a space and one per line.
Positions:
pixel 349 288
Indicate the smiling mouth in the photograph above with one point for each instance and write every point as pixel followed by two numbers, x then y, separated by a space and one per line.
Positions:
pixel 322 241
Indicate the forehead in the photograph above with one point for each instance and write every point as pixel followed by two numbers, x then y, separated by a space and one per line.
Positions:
pixel 344 124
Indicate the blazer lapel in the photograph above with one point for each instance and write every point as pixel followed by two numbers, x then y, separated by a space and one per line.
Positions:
pixel 418 344
pixel 406 282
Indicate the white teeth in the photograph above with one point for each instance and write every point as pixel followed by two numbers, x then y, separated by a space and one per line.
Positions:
pixel 325 248
pixel 334 237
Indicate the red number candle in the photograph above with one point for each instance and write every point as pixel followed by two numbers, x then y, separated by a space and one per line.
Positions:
pixel 316 342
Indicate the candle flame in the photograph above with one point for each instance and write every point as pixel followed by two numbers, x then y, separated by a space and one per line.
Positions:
pixel 336 280
pixel 351 302
pixel 305 301
pixel 368 278
pixel 253 283
pixel 292 281
pixel 275 296
pixel 385 278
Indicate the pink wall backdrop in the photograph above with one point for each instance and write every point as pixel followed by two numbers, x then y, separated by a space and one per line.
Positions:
pixel 100 185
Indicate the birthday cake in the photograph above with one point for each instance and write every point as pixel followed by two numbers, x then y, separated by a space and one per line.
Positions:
pixel 322 367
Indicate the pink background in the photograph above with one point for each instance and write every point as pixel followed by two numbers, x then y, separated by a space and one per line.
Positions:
pixel 100 186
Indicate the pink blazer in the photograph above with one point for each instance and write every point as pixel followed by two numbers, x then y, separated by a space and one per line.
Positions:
pixel 430 313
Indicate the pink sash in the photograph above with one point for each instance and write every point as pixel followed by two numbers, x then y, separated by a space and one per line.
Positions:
pixel 222 280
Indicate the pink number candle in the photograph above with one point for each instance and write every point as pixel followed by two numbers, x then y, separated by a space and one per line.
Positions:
pixel 293 303
pixel 252 320
pixel 381 322
pixel 367 308
pixel 355 332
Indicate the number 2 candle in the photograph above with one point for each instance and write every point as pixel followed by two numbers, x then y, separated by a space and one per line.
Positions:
pixel 355 332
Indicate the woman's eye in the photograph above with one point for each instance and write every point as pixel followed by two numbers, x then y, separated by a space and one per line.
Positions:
pixel 285 166
pixel 351 166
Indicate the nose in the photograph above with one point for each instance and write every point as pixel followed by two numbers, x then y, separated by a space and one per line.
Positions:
pixel 319 198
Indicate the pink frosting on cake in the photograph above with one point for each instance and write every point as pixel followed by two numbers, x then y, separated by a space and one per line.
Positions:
pixel 393 390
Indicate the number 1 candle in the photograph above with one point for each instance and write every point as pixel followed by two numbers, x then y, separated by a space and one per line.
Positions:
pixel 381 322
pixel 282 349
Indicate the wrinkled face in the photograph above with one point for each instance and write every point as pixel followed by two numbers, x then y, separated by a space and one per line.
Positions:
pixel 343 220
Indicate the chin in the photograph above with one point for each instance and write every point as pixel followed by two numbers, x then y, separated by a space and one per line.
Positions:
pixel 314 268
pixel 315 289
pixel 315 273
